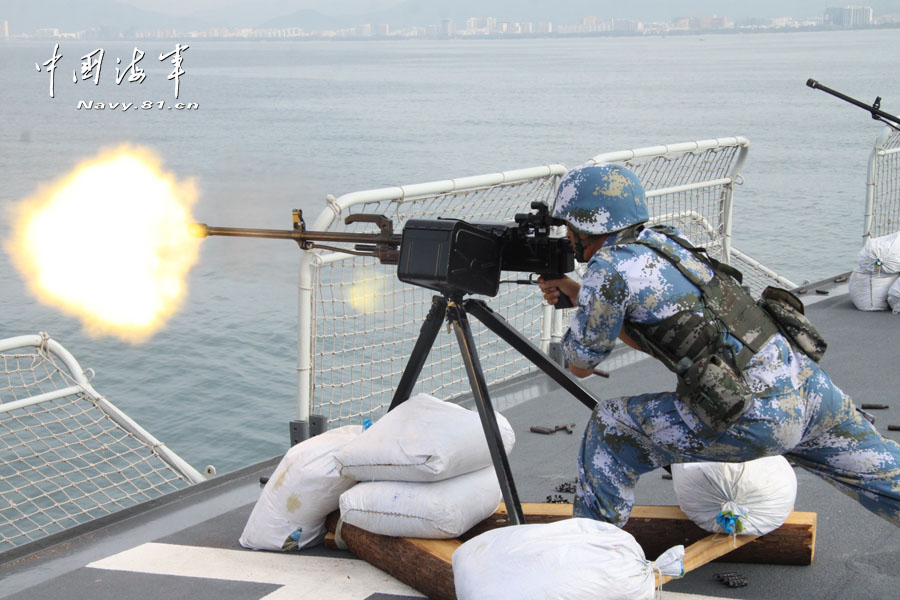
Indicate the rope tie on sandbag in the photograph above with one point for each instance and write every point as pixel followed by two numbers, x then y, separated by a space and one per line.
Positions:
pixel 338 540
pixel 657 574
pixel 730 520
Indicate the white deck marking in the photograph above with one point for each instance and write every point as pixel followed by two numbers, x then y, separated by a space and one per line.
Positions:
pixel 301 576
pixel 680 596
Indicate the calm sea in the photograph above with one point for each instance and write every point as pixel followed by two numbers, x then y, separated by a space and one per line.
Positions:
pixel 280 125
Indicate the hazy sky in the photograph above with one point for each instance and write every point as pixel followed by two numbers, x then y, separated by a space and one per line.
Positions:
pixel 335 7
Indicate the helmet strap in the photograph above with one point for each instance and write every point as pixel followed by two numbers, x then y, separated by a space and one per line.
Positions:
pixel 584 243
pixel 580 247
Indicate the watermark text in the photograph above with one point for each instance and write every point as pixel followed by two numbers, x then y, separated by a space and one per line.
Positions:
pixel 135 106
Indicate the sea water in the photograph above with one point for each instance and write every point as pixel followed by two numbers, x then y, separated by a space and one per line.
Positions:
pixel 282 124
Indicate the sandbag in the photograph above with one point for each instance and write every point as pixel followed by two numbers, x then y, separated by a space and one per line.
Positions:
pixel 423 439
pixel 750 498
pixel 305 487
pixel 880 255
pixel 894 297
pixel 869 291
pixel 437 510
pixel 573 559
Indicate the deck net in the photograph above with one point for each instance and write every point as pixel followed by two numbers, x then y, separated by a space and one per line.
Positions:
pixel 65 457
pixel 883 210
pixel 366 322
pixel 690 186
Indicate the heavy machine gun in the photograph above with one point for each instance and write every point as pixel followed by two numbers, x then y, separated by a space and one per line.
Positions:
pixel 455 258
pixel 450 256
pixel 875 109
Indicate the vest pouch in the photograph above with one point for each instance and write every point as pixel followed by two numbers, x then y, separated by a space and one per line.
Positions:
pixel 714 391
pixel 786 310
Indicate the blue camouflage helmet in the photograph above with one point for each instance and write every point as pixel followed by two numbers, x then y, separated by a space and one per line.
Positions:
pixel 598 199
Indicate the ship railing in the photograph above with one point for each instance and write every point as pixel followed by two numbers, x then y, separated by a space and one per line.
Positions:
pixel 882 214
pixel 358 322
pixel 67 454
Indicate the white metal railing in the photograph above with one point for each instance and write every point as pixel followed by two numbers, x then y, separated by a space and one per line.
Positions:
pixel 691 186
pixel 690 178
pixel 358 323
pixel 882 213
pixel 67 454
pixel 350 358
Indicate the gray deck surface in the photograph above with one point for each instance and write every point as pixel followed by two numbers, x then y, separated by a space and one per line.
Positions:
pixel 857 553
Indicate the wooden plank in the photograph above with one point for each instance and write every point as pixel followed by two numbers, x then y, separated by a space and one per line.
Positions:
pixel 422 564
pixel 426 565
pixel 707 550
pixel 658 528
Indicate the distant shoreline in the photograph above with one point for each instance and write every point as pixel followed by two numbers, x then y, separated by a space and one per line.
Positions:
pixel 456 37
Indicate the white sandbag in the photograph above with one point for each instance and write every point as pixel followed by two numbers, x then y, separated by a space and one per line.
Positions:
pixel 894 297
pixel 880 255
pixel 303 490
pixel 573 559
pixel 423 439
pixel 751 498
pixel 869 291
pixel 438 510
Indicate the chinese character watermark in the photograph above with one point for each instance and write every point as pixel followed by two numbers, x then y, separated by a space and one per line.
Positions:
pixel 176 60
pixel 92 64
pixel 51 67
pixel 137 73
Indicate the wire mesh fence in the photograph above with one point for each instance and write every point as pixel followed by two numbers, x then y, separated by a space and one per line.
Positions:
pixel 364 321
pixel 65 457
pixel 883 201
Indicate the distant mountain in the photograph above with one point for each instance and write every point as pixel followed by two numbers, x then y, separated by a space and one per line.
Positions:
pixel 424 12
pixel 311 20
pixel 272 13
pixel 25 16
pixel 570 11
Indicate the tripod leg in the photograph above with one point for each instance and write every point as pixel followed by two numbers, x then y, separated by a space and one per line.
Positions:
pixel 481 311
pixel 427 335
pixel 457 316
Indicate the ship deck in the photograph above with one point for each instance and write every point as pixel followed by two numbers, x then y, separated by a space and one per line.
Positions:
pixel 185 544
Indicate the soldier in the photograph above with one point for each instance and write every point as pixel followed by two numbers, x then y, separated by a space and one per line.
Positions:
pixel 744 390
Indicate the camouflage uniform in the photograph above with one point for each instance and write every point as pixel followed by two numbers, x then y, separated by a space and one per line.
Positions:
pixel 795 409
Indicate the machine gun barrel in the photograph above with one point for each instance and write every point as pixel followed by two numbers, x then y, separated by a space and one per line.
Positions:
pixel 204 230
pixel 447 255
pixel 874 108
pixel 384 246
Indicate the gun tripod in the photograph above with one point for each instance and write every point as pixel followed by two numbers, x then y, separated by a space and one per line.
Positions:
pixel 454 308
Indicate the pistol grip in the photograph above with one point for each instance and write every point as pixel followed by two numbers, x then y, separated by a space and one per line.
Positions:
pixel 563 301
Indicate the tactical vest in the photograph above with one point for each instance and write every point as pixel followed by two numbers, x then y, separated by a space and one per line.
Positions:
pixel 693 345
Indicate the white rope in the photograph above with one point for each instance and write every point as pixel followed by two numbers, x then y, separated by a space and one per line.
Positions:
pixel 658 576
pixel 338 540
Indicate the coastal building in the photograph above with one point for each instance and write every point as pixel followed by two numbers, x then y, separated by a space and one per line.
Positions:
pixel 848 16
